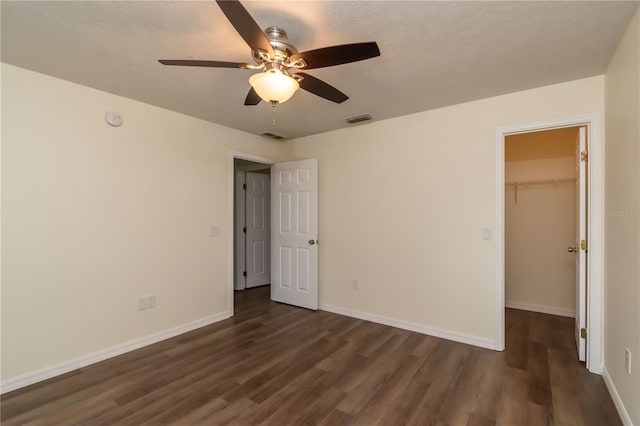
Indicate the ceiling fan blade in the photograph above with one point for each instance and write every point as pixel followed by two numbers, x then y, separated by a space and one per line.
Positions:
pixel 245 25
pixel 336 55
pixel 252 98
pixel 322 89
pixel 196 63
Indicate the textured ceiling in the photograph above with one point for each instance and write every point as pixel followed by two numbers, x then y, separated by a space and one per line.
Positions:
pixel 433 54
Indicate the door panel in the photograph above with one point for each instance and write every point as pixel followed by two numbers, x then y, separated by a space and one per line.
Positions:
pixel 258 229
pixel 294 267
pixel 303 269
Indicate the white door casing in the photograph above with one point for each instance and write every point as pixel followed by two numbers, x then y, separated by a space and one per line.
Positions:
pixel 257 209
pixel 239 280
pixel 595 226
pixel 581 235
pixel 294 238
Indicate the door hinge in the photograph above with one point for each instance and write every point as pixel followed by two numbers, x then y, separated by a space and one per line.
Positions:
pixel 244 186
pixel 584 156
pixel 244 230
pixel 583 245
pixel 244 274
pixel 583 333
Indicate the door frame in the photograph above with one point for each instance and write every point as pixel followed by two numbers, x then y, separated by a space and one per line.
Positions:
pixel 595 229
pixel 231 217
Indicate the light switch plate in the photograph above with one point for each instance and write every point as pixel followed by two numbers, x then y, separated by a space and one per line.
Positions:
pixel 487 234
pixel 214 231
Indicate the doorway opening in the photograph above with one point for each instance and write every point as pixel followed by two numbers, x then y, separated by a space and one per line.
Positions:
pixel 544 290
pixel 540 221
pixel 293 230
pixel 251 229
pixel 591 258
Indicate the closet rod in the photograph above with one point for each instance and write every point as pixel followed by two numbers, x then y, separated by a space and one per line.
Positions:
pixel 541 181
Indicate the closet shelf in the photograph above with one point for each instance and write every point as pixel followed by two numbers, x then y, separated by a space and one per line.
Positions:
pixel 540 182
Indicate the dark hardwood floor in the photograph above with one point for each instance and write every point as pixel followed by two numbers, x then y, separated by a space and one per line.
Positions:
pixel 276 364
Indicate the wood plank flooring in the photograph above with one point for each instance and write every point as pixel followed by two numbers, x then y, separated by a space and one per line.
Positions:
pixel 276 364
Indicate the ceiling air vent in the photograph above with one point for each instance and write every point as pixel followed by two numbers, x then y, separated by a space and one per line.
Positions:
pixel 272 136
pixel 358 119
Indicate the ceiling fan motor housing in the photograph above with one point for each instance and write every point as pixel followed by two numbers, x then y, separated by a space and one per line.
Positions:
pixel 281 45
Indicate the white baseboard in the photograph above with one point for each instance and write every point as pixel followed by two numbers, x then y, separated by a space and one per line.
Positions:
pixel 624 416
pixel 73 364
pixel 406 325
pixel 541 309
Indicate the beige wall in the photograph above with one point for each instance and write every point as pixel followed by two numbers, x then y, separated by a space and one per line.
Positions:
pixel 622 218
pixel 403 203
pixel 539 226
pixel 94 217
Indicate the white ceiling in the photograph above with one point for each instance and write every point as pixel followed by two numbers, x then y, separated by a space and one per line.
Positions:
pixel 433 54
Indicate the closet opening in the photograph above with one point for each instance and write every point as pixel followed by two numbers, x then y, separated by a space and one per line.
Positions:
pixel 545 212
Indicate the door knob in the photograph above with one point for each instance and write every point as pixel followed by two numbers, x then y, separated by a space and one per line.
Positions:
pixel 572 249
pixel 312 242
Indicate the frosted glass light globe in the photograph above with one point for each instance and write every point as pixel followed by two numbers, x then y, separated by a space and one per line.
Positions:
pixel 274 86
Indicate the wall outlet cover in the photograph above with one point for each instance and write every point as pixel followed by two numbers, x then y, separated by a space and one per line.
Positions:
pixel 142 303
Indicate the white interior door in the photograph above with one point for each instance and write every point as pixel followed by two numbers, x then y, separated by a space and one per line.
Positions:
pixel 294 239
pixel 580 247
pixel 258 229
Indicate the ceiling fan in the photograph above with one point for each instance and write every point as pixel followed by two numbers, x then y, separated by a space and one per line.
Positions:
pixel 280 63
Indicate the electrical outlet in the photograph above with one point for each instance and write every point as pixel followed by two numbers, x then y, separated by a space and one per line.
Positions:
pixel 627 360
pixel 151 302
pixel 354 283
pixel 142 303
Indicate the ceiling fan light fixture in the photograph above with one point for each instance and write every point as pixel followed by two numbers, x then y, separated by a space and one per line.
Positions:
pixel 274 85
